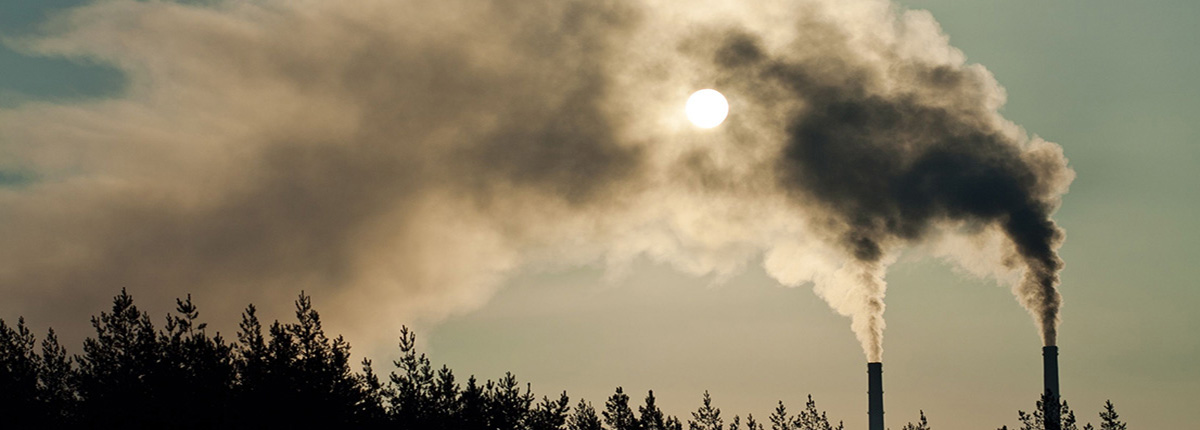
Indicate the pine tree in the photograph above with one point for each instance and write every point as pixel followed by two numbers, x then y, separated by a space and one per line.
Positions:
pixel 780 420
pixel 259 389
pixel 372 412
pixel 507 405
pixel 751 424
pixel 812 419
pixel 117 366
pixel 673 423
pixel 617 413
pixel 650 416
pixel 56 392
pixel 707 417
pixel 1068 417
pixel 324 379
pixel 1109 420
pixel 922 424
pixel 412 396
pixel 19 365
pixel 549 414
pixel 447 401
pixel 297 376
pixel 196 372
pixel 584 418
pixel 474 412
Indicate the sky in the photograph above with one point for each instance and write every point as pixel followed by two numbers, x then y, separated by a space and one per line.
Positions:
pixel 508 181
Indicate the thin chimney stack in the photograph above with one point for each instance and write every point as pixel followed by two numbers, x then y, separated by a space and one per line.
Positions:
pixel 1051 403
pixel 875 395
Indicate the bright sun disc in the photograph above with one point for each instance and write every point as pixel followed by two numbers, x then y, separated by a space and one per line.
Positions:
pixel 707 108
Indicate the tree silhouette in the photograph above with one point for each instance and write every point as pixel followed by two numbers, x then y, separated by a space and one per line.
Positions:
pixel 1109 420
pixel 1036 420
pixel 751 424
pixel 922 424
pixel 117 369
pixel 617 413
pixel 812 419
pixel 19 394
pixel 649 416
pixel 780 420
pixel 584 418
pixel 55 390
pixel 549 414
pixel 475 409
pixel 195 371
pixel 507 406
pixel 707 417
pixel 412 392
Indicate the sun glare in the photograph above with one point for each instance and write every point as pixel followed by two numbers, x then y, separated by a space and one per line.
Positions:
pixel 707 108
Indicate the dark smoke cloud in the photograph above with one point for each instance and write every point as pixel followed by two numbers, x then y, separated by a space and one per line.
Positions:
pixel 400 159
pixel 897 166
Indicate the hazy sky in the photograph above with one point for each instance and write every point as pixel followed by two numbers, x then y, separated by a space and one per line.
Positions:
pixel 1108 81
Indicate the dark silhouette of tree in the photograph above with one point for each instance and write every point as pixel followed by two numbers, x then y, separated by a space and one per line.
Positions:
pixel 257 391
pixel 117 369
pixel 780 420
pixel 617 413
pixel 673 423
pixel 298 376
pixel 707 417
pixel 809 419
pixel 549 414
pixel 55 390
pixel 19 393
pixel 507 405
pixel 649 416
pixel 373 411
pixel 474 413
pixel 447 401
pixel 325 378
pixel 922 424
pixel 1109 420
pixel 751 424
pixel 1037 421
pixel 812 419
pixel 584 418
pixel 195 371
pixel 412 386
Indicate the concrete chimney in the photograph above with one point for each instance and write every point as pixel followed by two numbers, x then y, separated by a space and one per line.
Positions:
pixel 1051 402
pixel 875 395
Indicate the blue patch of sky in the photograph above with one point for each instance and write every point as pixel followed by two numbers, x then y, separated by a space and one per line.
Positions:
pixel 26 76
pixel 15 178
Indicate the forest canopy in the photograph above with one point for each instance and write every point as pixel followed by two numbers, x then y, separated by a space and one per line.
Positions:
pixel 134 375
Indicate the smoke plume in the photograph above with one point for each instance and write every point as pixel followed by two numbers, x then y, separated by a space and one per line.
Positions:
pixel 402 158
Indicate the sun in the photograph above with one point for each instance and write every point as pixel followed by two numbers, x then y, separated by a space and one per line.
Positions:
pixel 707 108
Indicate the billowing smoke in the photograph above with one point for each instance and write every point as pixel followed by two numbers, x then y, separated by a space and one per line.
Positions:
pixel 893 154
pixel 402 158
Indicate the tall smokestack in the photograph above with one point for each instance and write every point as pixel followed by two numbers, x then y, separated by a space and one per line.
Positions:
pixel 875 395
pixel 1051 402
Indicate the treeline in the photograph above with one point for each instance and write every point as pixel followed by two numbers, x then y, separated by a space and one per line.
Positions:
pixel 132 375
pixel 1109 419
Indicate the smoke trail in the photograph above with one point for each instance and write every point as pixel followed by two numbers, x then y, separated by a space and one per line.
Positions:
pixel 891 163
pixel 404 160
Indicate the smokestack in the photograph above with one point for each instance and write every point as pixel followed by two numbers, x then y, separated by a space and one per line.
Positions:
pixel 1051 403
pixel 875 395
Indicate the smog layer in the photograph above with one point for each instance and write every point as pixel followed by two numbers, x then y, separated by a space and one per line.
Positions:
pixel 402 158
